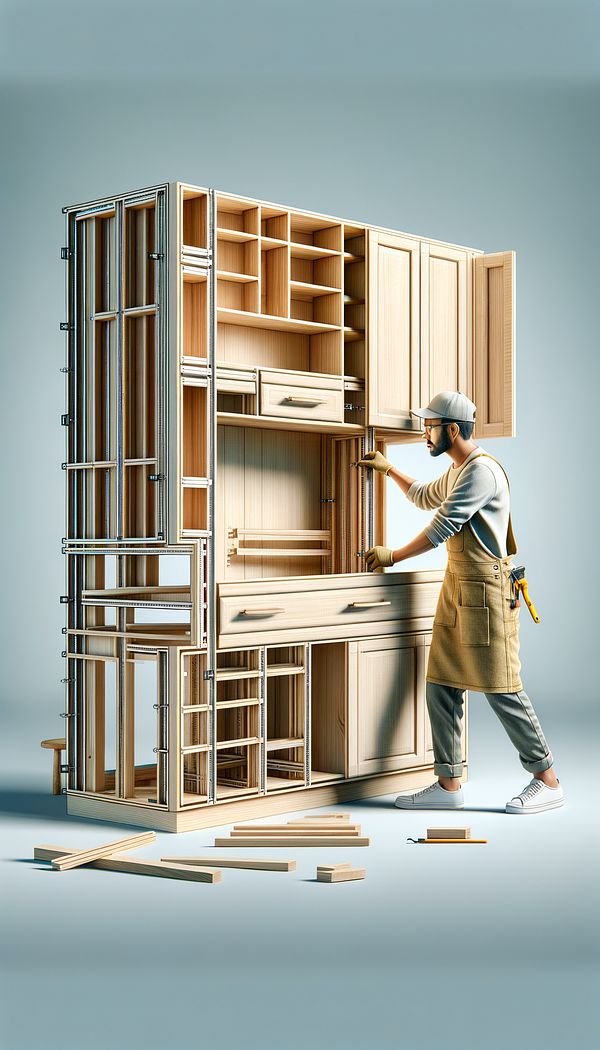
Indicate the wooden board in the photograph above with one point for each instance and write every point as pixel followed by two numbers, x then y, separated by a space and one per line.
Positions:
pixel 135 867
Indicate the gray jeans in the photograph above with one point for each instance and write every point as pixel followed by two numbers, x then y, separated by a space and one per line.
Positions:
pixel 445 707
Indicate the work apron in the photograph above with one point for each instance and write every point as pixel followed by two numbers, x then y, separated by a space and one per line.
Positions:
pixel 475 640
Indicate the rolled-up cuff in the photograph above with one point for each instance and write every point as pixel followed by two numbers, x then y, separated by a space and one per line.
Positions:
pixel 447 769
pixel 539 766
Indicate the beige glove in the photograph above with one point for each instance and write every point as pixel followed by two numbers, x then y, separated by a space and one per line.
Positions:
pixel 376 461
pixel 379 558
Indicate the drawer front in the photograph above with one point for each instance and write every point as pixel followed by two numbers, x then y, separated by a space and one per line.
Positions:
pixel 302 402
pixel 344 607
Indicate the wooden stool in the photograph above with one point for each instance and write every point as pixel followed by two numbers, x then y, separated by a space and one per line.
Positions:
pixel 58 746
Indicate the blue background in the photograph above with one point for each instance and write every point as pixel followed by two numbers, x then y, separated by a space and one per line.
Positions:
pixel 471 122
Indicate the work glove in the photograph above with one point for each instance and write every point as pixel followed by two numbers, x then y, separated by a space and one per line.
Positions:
pixel 376 461
pixel 378 557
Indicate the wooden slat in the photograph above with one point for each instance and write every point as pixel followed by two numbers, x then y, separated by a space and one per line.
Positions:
pixel 135 867
pixel 348 875
pixel 78 857
pixel 301 840
pixel 234 862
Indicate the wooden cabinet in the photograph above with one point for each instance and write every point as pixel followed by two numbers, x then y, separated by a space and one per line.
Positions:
pixel 393 330
pixel 229 362
pixel 386 704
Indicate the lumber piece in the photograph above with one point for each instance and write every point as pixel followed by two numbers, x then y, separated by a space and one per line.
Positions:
pixel 334 867
pixel 135 867
pixel 448 833
pixel 235 862
pixel 343 875
pixel 303 829
pixel 300 840
pixel 78 857
pixel 295 833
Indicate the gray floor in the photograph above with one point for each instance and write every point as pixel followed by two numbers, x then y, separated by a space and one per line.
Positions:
pixel 446 946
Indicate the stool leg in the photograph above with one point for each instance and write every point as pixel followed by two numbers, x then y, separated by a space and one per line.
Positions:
pixel 56 782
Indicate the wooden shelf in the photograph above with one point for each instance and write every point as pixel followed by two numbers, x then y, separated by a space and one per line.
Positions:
pixel 247 701
pixel 310 251
pixel 266 243
pixel 239 236
pixel 231 674
pixel 302 290
pixel 273 670
pixel 244 742
pixel 353 335
pixel 350 257
pixel 238 419
pixel 240 278
pixel 281 324
pixel 282 742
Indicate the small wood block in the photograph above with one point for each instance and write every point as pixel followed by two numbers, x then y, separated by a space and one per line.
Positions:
pixel 448 833
pixel 345 875
pixel 334 867
pixel 135 867
pixel 78 857
pixel 234 862
pixel 301 840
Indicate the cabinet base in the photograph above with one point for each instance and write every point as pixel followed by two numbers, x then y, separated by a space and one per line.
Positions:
pixel 246 809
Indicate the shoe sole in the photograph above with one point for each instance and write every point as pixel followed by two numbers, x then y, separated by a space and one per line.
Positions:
pixel 413 805
pixel 523 810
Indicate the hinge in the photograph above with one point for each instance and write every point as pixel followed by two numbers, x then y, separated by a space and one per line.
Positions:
pixel 65 767
pixel 157 477
pixel 65 254
pixel 156 256
pixel 64 599
pixel 66 326
pixel 209 676
pixel 65 420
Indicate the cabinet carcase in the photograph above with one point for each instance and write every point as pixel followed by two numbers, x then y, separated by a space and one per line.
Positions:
pixel 229 362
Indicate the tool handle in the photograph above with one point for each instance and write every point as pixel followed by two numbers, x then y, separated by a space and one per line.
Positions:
pixel 528 601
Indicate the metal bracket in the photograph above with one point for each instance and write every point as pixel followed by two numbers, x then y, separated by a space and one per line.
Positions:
pixel 160 707
pixel 65 254
pixel 157 477
pixel 67 714
pixel 64 654
pixel 156 256
pixel 63 630
pixel 66 326
pixel 65 767
pixel 64 599
pixel 63 466
pixel 65 420
pixel 209 676
pixel 66 371
pixel 328 500
pixel 160 750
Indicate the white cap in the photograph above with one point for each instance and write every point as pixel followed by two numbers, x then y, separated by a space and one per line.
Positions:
pixel 450 404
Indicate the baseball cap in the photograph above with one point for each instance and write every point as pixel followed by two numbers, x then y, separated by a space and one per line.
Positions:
pixel 450 404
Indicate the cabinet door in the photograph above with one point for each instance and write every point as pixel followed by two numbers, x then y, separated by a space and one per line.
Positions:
pixel 393 330
pixel 445 328
pixel 494 354
pixel 386 686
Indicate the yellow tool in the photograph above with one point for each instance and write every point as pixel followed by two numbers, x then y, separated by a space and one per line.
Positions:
pixel 520 585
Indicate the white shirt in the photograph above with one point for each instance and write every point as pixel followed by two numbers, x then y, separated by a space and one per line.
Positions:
pixel 480 497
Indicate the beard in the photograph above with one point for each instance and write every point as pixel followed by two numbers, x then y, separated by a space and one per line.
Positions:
pixel 442 444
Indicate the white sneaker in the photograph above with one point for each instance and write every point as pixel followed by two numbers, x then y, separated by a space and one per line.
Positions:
pixel 432 797
pixel 536 797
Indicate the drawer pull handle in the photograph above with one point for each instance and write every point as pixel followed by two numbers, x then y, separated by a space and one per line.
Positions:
pixel 367 605
pixel 305 400
pixel 260 612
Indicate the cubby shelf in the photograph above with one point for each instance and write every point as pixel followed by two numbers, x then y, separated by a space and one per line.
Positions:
pixel 303 290
pixel 240 278
pixel 310 251
pixel 225 315
pixel 273 670
pixel 282 742
pixel 239 236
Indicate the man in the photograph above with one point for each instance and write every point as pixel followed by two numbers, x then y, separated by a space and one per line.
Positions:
pixel 475 641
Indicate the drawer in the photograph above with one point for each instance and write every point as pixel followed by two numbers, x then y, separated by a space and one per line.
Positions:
pixel 336 607
pixel 301 396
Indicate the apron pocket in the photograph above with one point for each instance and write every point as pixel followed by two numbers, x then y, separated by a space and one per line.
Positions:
pixel 456 543
pixel 474 625
pixel 472 593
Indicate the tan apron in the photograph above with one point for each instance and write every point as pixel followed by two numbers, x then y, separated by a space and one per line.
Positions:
pixel 475 641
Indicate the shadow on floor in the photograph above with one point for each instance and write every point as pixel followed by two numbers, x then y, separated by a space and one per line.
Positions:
pixel 40 805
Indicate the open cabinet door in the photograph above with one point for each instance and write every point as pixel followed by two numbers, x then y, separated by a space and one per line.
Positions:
pixel 494 345
pixel 393 330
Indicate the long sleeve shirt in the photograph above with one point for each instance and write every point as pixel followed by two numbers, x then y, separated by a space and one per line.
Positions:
pixel 480 497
